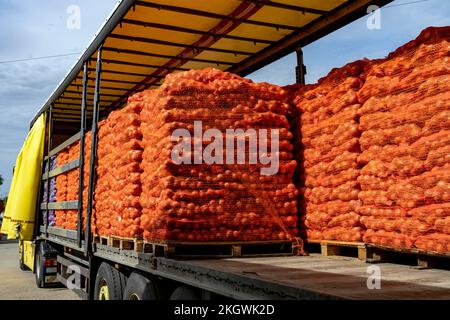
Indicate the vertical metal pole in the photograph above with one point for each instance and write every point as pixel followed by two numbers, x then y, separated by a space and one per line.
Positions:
pixel 92 160
pixel 300 69
pixel 38 215
pixel 82 147
pixel 49 148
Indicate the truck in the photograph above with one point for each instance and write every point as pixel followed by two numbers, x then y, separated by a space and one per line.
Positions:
pixel 133 51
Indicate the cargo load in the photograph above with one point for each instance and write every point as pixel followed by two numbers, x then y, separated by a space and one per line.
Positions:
pixel 328 139
pixel 142 190
pixel 405 132
pixel 223 200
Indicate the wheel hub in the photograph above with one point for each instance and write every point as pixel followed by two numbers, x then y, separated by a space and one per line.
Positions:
pixel 104 291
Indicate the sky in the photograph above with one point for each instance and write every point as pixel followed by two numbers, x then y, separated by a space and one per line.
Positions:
pixel 33 29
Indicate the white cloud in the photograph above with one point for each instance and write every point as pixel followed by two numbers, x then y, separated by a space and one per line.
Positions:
pixel 34 29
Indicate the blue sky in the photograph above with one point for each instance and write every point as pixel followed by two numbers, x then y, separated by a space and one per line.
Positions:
pixel 38 28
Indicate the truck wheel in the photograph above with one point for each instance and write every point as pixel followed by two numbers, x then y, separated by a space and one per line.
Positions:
pixel 109 283
pixel 39 266
pixel 185 293
pixel 22 265
pixel 139 287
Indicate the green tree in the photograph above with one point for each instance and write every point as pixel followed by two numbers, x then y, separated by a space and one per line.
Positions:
pixel 1 180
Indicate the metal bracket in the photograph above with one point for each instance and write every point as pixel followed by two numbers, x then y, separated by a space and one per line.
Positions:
pixel 300 69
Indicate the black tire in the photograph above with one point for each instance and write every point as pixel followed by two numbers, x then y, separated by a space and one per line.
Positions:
pixel 39 266
pixel 140 287
pixel 22 265
pixel 109 283
pixel 186 293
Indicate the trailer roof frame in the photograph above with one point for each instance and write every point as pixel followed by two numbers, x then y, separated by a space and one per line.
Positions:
pixel 241 41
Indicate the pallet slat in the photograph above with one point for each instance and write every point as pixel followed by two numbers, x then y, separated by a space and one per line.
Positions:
pixel 335 248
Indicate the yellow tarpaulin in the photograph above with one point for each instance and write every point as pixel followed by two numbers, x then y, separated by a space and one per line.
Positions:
pixel 21 205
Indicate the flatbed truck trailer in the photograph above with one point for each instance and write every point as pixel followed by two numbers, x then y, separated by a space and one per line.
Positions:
pixel 101 80
pixel 149 276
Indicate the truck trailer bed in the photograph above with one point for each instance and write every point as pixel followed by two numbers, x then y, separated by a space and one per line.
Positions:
pixel 318 277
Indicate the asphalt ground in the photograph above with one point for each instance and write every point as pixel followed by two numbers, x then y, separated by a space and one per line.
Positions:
pixel 20 285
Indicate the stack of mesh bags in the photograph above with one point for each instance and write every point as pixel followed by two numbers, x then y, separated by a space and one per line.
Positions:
pixel 118 184
pixel 62 158
pixel 49 196
pixel 67 187
pixel 405 124
pixel 214 202
pixel 71 217
pixel 328 140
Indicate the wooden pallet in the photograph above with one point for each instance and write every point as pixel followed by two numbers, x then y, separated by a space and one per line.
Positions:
pixel 339 248
pixel 197 250
pixel 101 240
pixel 421 259
pixel 119 242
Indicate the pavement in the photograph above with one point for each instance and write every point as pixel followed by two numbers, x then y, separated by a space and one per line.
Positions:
pixel 20 285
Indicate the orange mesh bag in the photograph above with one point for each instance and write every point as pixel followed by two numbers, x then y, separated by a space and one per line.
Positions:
pixel 348 234
pixel 389 239
pixel 406 226
pixel 331 214
pixel 371 183
pixel 406 134
pixel 438 123
pixel 383 211
pixel 384 154
pixel 436 242
pixel 421 148
pixel 324 180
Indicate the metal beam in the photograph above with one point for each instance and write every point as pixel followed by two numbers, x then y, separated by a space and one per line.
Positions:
pixel 64 145
pixel 116 81
pixel 103 87
pixel 164 56
pixel 81 161
pixel 335 19
pixel 267 3
pixel 66 120
pixel 193 31
pixel 78 99
pixel 49 147
pixel 92 160
pixel 213 15
pixel 71 118
pixel 128 74
pixel 60 170
pixel 135 64
pixel 65 205
pixel 179 45
pixel 59 107
pixel 91 93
